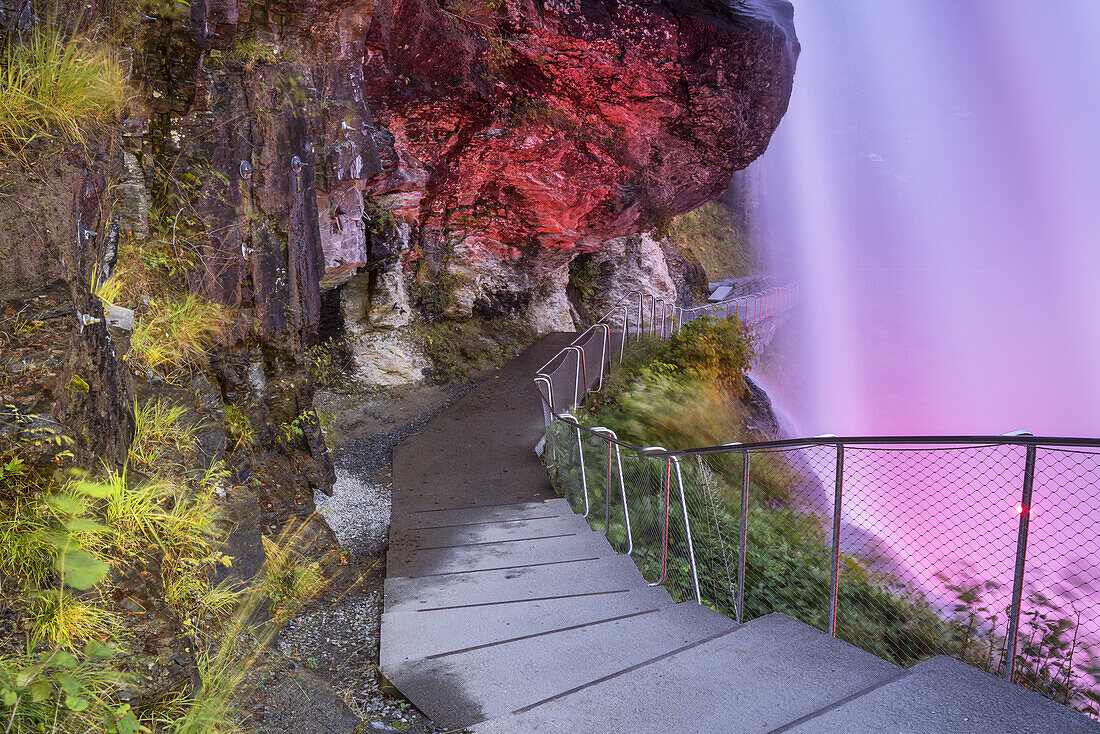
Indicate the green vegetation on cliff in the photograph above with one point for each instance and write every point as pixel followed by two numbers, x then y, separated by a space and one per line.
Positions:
pixel 91 564
pixel 716 240
pixel 57 88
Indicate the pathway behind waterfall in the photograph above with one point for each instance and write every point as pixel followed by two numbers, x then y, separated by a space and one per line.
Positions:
pixel 505 613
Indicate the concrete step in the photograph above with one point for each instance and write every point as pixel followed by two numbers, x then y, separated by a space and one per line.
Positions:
pixel 467 687
pixel 758 678
pixel 945 696
pixel 469 492
pixel 467 513
pixel 409 539
pixel 553 547
pixel 554 579
pixel 410 634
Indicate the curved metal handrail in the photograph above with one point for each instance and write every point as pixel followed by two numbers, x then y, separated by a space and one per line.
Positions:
pixel 622 488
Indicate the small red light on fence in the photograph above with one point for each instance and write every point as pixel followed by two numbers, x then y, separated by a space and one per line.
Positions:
pixel 1020 509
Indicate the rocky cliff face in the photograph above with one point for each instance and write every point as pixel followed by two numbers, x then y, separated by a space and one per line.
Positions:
pixel 447 159
pixel 458 155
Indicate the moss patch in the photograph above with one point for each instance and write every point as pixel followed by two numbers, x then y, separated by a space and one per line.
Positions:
pixel 715 239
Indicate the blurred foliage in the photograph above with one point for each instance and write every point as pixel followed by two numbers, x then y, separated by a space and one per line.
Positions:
pixel 677 393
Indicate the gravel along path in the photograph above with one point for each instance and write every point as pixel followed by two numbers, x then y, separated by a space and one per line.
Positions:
pixel 338 641
pixel 358 512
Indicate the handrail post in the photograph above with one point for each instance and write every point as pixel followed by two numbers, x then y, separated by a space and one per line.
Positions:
pixel 604 347
pixel 613 444
pixel 1021 558
pixel 580 457
pixel 664 535
pixel 622 490
pixel 687 531
pixel 577 377
pixel 549 402
pixel 838 498
pixel 743 543
pixel 607 492
pixel 626 331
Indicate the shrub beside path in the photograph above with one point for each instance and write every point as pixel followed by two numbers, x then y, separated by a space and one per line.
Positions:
pixel 506 614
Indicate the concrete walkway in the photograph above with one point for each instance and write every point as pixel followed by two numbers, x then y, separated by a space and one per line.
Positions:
pixel 506 614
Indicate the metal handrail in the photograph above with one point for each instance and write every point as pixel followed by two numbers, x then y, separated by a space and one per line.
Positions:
pixel 765 305
pixel 671 321
pixel 622 489
pixel 974 441
pixel 580 453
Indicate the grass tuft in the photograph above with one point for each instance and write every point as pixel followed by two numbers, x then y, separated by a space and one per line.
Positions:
pixel 289 582
pixel 161 437
pixel 174 335
pixel 24 552
pixel 53 88
pixel 238 426
pixel 66 621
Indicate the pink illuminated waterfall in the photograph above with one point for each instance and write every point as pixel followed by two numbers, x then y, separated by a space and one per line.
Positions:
pixel 936 187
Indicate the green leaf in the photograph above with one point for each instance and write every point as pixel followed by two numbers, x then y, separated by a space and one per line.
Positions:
pixel 93 489
pixel 24 677
pixel 84 525
pixel 126 722
pixel 97 650
pixel 57 539
pixel 8 697
pixel 77 384
pixel 66 504
pixel 68 684
pixel 64 659
pixel 80 569
pixel 40 691
pixel 76 703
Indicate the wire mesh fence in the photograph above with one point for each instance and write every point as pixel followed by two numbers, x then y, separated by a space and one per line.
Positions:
pixel 985 549
pixel 907 551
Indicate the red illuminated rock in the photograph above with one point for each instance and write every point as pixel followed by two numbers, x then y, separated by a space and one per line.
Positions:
pixel 570 124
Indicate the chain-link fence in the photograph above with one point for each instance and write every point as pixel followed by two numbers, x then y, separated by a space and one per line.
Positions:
pixel 986 549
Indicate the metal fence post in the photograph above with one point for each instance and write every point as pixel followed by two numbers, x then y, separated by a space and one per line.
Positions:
pixel 607 491
pixel 664 533
pixel 687 531
pixel 1021 558
pixel 838 498
pixel 584 474
pixel 580 459
pixel 743 543
pixel 612 445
